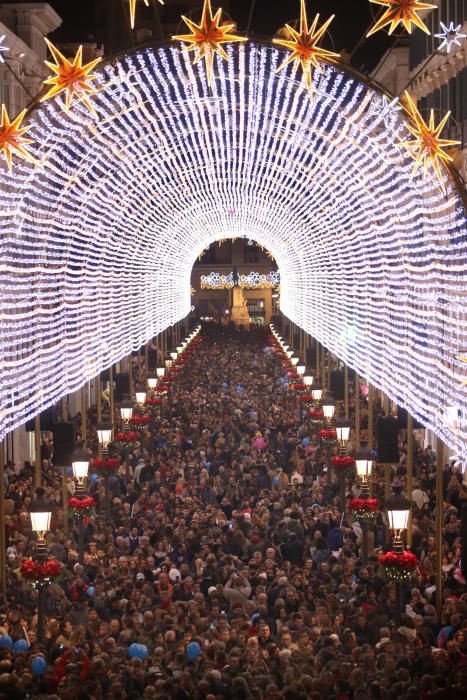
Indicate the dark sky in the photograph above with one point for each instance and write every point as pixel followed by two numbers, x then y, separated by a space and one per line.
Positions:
pixel 352 21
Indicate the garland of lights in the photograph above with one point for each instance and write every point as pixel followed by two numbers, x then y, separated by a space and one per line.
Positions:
pixel 216 281
pixel 372 261
pixel 252 280
pixel 255 280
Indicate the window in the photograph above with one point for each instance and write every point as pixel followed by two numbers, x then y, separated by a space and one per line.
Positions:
pixel 250 254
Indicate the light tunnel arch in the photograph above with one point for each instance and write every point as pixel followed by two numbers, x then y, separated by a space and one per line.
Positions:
pixel 100 236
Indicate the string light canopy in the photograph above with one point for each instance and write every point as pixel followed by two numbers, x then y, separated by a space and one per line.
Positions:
pixel 403 12
pixel 303 46
pixel 71 77
pixel 427 148
pixel 372 260
pixel 207 37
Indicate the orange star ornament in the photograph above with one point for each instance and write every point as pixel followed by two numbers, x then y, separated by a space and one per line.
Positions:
pixel 304 48
pixel 207 37
pixel 12 137
pixel 427 147
pixel 133 10
pixel 70 77
pixel 401 12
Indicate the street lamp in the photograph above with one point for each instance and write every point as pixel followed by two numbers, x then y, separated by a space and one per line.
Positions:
pixel 152 382
pixel 317 394
pixel 126 411
pixel 300 370
pixel 140 394
pixel 168 362
pixel 364 464
pixel 398 510
pixel 343 436
pixel 329 409
pixel 174 355
pixel 104 436
pixel 308 380
pixel 80 464
pixel 40 511
pixel 160 372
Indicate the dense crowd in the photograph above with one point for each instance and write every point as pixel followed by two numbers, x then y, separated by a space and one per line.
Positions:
pixel 228 560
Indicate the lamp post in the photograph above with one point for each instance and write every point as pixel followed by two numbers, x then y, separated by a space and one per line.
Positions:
pixel 364 465
pixel 398 509
pixel 343 436
pixel 104 435
pixel 40 512
pixel 80 464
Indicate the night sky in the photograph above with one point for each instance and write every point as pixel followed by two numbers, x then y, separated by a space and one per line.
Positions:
pixel 353 18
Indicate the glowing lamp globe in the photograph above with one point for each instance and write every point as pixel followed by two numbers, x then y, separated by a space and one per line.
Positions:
pixel 40 512
pixel 126 409
pixel 294 361
pixel 398 509
pixel 160 372
pixel 307 379
pixel 343 433
pixel 80 464
pixel 364 464
pixel 140 394
pixel 301 370
pixel 317 394
pixel 329 408
pixel 152 381
pixel 174 356
pixel 289 354
pixel 104 434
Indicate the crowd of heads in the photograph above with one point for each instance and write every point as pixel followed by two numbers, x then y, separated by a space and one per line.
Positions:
pixel 226 569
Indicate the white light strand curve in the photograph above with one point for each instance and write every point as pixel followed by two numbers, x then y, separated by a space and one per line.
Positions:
pixel 99 238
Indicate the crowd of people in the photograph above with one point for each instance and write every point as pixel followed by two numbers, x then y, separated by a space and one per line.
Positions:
pixel 228 562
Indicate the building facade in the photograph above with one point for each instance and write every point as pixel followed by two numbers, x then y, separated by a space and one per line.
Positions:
pixel 224 278
pixel 435 76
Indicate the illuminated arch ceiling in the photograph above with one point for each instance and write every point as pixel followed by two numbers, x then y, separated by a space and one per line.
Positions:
pixel 102 234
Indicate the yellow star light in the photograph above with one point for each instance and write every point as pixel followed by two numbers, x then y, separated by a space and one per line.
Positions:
pixel 463 358
pixel 133 10
pixel 71 76
pixel 207 37
pixel 304 48
pixel 12 137
pixel 427 147
pixel 401 12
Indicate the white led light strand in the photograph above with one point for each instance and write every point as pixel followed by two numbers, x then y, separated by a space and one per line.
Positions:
pixel 100 235
pixel 255 280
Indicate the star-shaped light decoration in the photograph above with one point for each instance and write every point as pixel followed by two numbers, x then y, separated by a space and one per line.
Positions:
pixel 401 12
pixel 207 37
pixel 450 35
pixel 12 137
pixel 3 48
pixel 71 77
pixel 463 358
pixel 133 10
pixel 304 48
pixel 427 148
